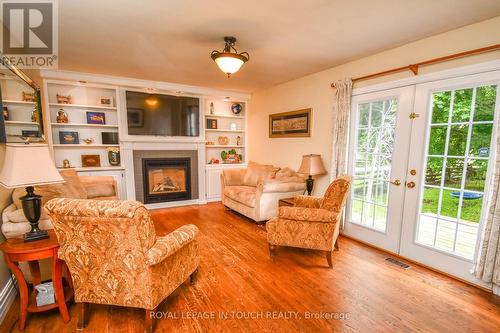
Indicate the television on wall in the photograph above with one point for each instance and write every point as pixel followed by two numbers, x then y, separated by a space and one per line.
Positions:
pixel 162 115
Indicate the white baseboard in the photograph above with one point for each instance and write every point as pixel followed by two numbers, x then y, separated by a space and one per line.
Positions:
pixel 175 204
pixel 7 297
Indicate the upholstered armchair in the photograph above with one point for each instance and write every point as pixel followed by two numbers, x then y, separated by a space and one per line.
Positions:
pixel 312 223
pixel 115 257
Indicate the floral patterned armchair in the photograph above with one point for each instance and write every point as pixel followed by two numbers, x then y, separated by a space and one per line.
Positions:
pixel 312 223
pixel 114 256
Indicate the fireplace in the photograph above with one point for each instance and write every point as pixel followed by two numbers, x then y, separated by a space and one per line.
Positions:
pixel 166 179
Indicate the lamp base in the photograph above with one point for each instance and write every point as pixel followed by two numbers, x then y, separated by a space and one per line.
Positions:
pixel 309 185
pixel 35 235
pixel 32 208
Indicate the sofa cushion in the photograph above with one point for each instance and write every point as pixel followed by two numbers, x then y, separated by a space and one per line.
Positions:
pixel 98 190
pixel 258 172
pixel 17 216
pixel 243 194
pixel 71 188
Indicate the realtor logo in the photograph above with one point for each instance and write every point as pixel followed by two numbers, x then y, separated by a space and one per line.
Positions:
pixel 29 33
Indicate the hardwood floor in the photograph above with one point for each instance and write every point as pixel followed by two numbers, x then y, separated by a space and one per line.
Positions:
pixel 237 278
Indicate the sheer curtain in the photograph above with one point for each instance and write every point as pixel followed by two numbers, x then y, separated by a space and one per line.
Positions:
pixel 340 129
pixel 487 266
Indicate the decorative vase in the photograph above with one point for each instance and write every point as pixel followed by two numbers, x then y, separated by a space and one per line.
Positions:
pixel 114 157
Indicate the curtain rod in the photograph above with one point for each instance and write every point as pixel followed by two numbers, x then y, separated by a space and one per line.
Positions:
pixel 415 67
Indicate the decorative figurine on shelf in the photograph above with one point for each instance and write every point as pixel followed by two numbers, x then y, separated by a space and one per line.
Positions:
pixel 223 140
pixel 28 97
pixel 34 116
pixel 113 156
pixel 66 163
pixel 236 108
pixel 233 126
pixel 5 113
pixel 210 143
pixel 61 99
pixel 238 140
pixel 213 160
pixel 88 140
pixel 62 117
pixel 231 157
pixel 212 108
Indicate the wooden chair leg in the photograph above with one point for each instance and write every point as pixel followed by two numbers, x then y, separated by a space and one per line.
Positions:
pixel 193 277
pixel 329 255
pixel 82 309
pixel 272 251
pixel 336 244
pixel 149 322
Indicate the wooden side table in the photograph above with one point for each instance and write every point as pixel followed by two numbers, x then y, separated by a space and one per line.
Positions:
pixel 16 250
pixel 286 202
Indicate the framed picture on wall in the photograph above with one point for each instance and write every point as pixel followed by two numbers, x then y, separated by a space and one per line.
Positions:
pixel 290 124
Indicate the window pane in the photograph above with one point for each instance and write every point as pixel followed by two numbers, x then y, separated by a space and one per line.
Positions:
pixel 362 138
pixel 426 229
pixel 356 209
pixel 476 175
pixel 462 105
pixel 437 140
pixel 458 140
pixel 449 205
pixel 466 240
pixel 368 214
pixel 359 188
pixel 485 103
pixel 380 217
pixel 430 201
pixel 481 140
pixel 471 208
pixel 441 107
pixel 364 114
pixel 453 173
pixel 376 120
pixel 433 171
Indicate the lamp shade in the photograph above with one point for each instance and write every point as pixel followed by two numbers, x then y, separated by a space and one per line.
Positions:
pixel 228 64
pixel 28 165
pixel 312 165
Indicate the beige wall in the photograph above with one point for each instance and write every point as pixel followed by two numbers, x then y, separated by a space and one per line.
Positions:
pixel 314 91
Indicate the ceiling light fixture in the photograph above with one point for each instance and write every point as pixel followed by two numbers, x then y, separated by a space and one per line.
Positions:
pixel 229 62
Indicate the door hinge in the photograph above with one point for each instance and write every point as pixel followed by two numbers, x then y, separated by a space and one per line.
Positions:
pixel 414 115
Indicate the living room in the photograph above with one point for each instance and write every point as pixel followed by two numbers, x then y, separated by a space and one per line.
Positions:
pixel 318 166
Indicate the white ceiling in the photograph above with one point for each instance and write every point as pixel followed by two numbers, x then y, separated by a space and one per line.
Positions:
pixel 171 40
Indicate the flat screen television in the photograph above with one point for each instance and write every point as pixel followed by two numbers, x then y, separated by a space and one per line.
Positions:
pixel 162 115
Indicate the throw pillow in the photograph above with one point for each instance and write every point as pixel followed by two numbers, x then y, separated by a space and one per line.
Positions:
pixel 256 173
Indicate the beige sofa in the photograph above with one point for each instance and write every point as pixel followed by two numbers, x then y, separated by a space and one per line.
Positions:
pixel 256 190
pixel 77 187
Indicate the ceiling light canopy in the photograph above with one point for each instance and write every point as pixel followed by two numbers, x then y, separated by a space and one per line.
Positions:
pixel 229 62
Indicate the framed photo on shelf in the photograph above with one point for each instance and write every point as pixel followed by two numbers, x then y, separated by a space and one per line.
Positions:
pixel 68 137
pixel 97 118
pixel 91 160
pixel 290 124
pixel 31 134
pixel 211 123
pixel 106 101
pixel 135 117
pixel 109 138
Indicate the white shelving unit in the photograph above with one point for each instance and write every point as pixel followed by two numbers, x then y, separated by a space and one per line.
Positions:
pixel 85 98
pixel 225 118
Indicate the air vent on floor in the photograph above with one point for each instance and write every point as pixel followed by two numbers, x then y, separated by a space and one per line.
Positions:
pixel 397 263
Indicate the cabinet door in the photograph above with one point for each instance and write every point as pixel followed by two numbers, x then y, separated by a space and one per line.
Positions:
pixel 213 184
pixel 118 175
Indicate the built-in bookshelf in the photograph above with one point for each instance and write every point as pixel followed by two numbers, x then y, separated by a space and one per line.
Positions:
pixel 91 110
pixel 221 122
pixel 17 114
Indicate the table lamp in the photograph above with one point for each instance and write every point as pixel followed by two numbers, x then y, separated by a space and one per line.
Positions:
pixel 27 165
pixel 311 166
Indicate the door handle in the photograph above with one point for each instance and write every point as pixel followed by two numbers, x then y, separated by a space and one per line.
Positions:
pixel 410 184
pixel 396 182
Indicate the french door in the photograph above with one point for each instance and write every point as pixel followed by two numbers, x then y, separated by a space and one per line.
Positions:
pixel 435 182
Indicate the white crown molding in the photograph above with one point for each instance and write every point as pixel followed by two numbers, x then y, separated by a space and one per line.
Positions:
pixel 7 297
pixel 483 67
pixel 175 88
